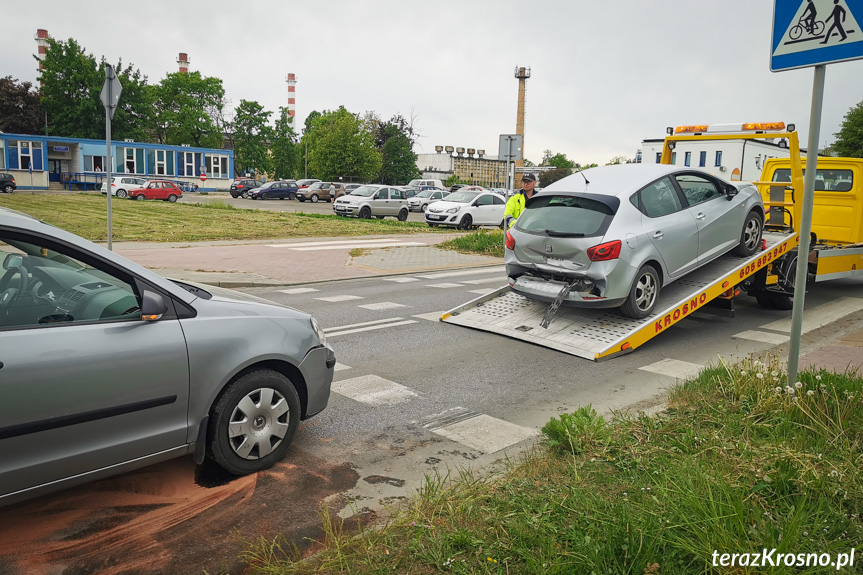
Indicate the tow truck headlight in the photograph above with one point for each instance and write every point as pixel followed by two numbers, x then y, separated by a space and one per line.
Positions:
pixel 453 210
pixel 319 331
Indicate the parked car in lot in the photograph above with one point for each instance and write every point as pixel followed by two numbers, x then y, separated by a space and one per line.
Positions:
pixel 274 190
pixel 632 230
pixel 410 191
pixel 466 210
pixel 108 367
pixel 372 200
pixel 120 185
pixel 306 182
pixel 241 186
pixel 421 201
pixel 351 187
pixel 7 183
pixel 426 183
pixel 324 191
pixel 157 190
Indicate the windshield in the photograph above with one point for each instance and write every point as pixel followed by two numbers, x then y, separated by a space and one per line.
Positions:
pixel 316 186
pixel 462 197
pixel 268 185
pixel 571 215
pixel 425 194
pixel 825 179
pixel 364 191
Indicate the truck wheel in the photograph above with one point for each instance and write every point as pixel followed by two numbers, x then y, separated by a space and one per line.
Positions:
pixel 750 237
pixel 253 422
pixel 643 295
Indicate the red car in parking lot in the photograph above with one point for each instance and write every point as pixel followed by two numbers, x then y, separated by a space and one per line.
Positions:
pixel 157 190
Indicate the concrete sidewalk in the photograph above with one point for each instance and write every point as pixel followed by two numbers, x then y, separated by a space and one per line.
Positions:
pixel 294 261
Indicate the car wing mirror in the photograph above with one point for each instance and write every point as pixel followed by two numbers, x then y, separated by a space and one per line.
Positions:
pixel 153 306
pixel 730 192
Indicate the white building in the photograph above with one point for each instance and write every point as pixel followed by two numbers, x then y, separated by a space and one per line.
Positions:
pixel 727 159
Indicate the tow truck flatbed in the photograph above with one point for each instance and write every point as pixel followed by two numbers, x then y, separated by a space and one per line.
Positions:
pixel 603 333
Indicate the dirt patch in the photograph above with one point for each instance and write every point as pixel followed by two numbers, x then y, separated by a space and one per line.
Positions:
pixel 158 520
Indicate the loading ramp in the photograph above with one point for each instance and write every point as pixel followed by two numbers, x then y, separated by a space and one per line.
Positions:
pixel 604 333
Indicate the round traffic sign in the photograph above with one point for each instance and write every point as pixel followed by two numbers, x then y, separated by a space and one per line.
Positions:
pixel 203 177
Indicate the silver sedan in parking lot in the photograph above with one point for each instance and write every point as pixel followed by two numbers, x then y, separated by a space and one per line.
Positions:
pixel 108 367
pixel 617 234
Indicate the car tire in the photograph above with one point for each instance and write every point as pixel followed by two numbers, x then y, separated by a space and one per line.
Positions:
pixel 750 237
pixel 292 196
pixel 365 213
pixel 233 195
pixel 424 207
pixel 314 198
pixel 140 197
pixel 8 188
pixel 302 199
pixel 122 193
pixel 172 198
pixel 246 195
pixel 403 216
pixel 643 295
pixel 466 222
pixel 273 407
pixel 265 196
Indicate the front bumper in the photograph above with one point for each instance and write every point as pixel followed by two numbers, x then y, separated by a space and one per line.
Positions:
pixel 346 209
pixel 442 219
pixel 317 368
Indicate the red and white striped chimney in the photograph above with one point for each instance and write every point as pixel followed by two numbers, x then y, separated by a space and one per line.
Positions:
pixel 183 61
pixel 292 102
pixel 41 45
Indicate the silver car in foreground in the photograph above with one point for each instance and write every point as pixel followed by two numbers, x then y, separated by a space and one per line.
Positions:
pixel 106 367
pixel 617 234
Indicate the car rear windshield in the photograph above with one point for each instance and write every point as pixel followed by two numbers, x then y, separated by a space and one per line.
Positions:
pixel 576 215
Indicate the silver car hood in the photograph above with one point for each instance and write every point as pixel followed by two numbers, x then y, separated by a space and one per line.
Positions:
pixel 229 295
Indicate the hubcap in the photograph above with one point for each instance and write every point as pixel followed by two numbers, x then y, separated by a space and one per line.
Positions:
pixel 751 234
pixel 259 423
pixel 645 292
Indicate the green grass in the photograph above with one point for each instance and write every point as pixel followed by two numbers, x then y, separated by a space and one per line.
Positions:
pixel 483 242
pixel 86 215
pixel 738 463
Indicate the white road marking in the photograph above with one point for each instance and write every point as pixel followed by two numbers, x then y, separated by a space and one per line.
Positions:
pixel 348 243
pixel 482 291
pixel 485 433
pixel 371 328
pixel 373 390
pixel 762 336
pixel 338 298
pixel 400 280
pixel 365 323
pixel 495 269
pixel 821 315
pixel 500 280
pixel 382 305
pixel 674 368
pixel 295 291
pixel 341 367
pixel 433 316
pixel 444 286
pixel 367 246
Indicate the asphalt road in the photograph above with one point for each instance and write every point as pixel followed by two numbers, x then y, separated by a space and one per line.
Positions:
pixel 412 396
pixel 277 205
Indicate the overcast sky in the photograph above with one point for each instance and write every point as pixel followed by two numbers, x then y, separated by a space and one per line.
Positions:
pixel 606 74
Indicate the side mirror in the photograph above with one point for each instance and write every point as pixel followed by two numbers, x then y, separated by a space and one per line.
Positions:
pixel 153 306
pixel 730 192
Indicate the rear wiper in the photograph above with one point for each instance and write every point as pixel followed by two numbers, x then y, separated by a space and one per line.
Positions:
pixel 555 234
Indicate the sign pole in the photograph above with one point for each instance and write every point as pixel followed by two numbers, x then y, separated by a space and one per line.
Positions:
pixel 806 222
pixel 109 77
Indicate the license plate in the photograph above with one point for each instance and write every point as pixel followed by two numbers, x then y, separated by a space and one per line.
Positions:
pixel 341 209
pixel 558 262
pixel 436 217
pixel 550 288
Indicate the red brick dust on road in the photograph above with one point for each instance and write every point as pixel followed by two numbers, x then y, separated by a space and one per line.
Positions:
pixel 160 520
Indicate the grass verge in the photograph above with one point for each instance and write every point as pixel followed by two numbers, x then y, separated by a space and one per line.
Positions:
pixel 739 463
pixel 483 242
pixel 85 215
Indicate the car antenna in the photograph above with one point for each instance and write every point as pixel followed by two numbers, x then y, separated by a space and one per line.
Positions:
pixel 586 181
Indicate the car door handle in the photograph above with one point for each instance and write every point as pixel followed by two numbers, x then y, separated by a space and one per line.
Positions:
pixel 700 216
pixel 658 235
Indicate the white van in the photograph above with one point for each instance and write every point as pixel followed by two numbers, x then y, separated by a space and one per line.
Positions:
pixel 426 183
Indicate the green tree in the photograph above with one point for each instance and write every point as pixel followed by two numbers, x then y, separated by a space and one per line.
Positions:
pixel 560 161
pixel 527 163
pixel 70 84
pixel 340 147
pixel 453 180
pixel 849 138
pixel 618 160
pixel 184 106
pixel 252 138
pixel 20 109
pixel 398 161
pixel 551 176
pixel 285 150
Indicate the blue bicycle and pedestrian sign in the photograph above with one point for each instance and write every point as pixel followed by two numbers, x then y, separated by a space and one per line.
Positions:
pixel 813 32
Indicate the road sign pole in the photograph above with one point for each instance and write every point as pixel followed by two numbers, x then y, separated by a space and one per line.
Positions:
pixel 806 222
pixel 109 77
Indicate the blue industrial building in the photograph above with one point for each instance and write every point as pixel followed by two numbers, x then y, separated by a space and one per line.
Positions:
pixel 79 163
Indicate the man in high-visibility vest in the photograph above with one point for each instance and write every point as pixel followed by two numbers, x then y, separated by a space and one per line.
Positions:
pixel 515 205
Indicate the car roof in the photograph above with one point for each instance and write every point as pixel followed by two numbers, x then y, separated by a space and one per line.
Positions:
pixel 618 179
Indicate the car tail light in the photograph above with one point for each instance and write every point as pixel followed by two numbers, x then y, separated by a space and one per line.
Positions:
pixel 603 252
pixel 510 241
